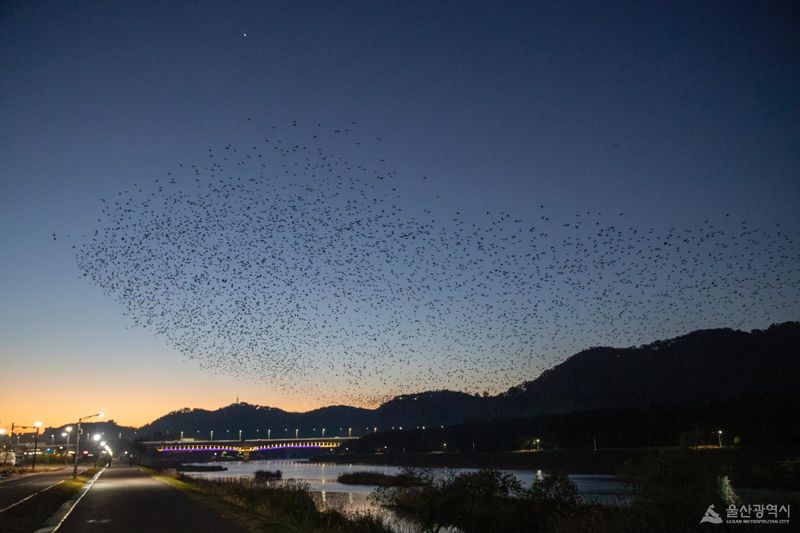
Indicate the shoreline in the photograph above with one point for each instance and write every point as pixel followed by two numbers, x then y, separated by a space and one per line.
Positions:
pixel 589 462
pixel 753 464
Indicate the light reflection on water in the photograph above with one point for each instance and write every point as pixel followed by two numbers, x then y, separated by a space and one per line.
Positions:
pixel 323 477
pixel 328 493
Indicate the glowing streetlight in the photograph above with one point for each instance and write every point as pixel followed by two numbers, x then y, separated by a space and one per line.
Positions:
pixel 78 441
pixel 5 456
pixel 719 437
pixel 37 425
pixel 65 434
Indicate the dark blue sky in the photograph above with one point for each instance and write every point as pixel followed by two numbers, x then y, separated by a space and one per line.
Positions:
pixel 672 113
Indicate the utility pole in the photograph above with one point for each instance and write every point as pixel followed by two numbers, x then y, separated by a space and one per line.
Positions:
pixel 78 442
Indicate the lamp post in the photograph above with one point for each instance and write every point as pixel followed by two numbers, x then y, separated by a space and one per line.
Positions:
pixel 5 455
pixel 212 435
pixel 78 442
pixel 719 437
pixel 37 425
pixel 67 431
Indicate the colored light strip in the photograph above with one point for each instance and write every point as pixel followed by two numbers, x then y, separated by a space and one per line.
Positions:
pixel 234 448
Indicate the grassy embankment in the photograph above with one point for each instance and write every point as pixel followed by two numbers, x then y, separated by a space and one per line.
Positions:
pixel 271 507
pixel 31 514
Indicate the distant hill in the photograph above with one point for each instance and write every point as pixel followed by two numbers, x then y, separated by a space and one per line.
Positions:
pixel 703 367
pixel 424 409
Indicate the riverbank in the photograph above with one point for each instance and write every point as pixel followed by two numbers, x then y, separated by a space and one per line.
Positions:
pixel 277 506
pixel 573 461
pixel 772 467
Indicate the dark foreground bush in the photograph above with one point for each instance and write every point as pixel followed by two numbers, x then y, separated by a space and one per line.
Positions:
pixel 481 501
pixel 268 475
pixel 286 506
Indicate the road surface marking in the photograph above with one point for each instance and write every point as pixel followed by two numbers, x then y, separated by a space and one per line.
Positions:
pixel 28 497
pixel 61 515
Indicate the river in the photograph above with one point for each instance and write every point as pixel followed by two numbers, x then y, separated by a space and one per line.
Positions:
pixel 329 493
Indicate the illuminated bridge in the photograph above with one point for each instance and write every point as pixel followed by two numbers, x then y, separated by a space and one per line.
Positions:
pixel 243 446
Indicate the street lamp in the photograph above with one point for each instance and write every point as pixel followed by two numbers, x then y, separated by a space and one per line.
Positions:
pixel 5 456
pixel 212 435
pixel 37 425
pixel 323 433
pixel 296 432
pixel 719 437
pixel 78 442
pixel 65 434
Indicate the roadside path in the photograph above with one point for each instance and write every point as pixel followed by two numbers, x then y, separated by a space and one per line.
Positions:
pixel 126 499
pixel 15 490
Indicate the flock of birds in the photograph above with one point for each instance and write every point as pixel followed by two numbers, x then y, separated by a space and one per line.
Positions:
pixel 321 276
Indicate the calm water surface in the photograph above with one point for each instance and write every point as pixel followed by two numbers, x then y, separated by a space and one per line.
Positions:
pixel 329 493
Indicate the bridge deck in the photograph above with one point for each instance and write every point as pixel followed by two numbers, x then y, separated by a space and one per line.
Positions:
pixel 245 445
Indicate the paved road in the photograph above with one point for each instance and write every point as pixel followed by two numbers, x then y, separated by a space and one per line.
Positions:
pixel 17 488
pixel 126 499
